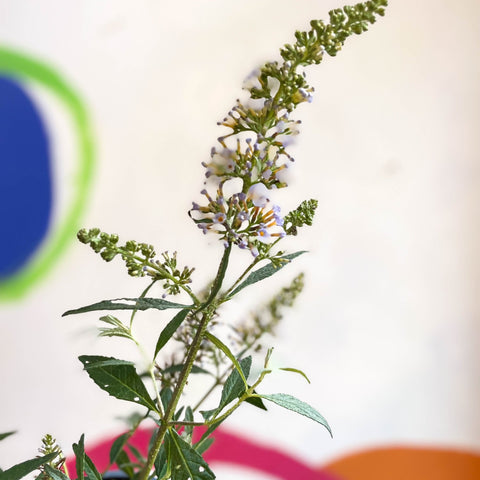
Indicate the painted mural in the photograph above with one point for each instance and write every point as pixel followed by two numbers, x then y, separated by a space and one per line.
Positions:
pixel 36 231
pixel 31 243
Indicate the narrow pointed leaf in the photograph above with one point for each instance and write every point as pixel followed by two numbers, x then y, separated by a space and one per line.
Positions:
pixel 186 462
pixel 166 397
pixel 6 434
pixel 296 405
pixel 204 438
pixel 234 385
pixel 117 446
pixel 189 418
pixel 256 402
pixel 79 451
pixel 22 469
pixel 217 284
pixel 202 447
pixel 296 370
pixel 127 304
pixel 179 366
pixel 219 344
pixel 55 474
pixel 91 470
pixel 136 453
pixel 232 388
pixel 124 464
pixel 265 272
pixel 118 378
pixel 170 329
pixel 160 464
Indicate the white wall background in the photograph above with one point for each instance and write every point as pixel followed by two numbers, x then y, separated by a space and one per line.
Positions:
pixel 388 326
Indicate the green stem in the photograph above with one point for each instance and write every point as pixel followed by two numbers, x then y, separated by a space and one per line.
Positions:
pixel 165 274
pixel 142 295
pixel 186 424
pixel 241 277
pixel 208 309
pixel 218 380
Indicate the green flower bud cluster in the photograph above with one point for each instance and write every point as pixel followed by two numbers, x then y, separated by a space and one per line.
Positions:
pixel 139 259
pixel 182 277
pixel 137 256
pixel 49 446
pixel 302 215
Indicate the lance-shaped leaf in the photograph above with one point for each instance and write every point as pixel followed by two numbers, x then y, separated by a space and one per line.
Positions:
pixel 117 446
pixel 296 405
pixel 202 446
pixel 118 378
pixel 219 344
pixel 55 474
pixel 6 434
pixel 19 471
pixel 160 464
pixel 186 463
pixel 256 402
pixel 179 366
pixel 232 388
pixel 296 370
pixel 127 304
pixel 79 451
pixel 170 329
pixel 91 470
pixel 217 283
pixel 265 272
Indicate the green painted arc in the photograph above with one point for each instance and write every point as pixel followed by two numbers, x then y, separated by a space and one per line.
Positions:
pixel 22 67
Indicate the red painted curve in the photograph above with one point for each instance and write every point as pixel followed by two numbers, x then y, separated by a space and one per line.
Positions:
pixel 228 448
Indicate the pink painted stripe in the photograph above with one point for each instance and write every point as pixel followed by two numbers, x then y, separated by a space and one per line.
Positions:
pixel 228 448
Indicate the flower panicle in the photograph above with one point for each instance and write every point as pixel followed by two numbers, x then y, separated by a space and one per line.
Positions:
pixel 243 219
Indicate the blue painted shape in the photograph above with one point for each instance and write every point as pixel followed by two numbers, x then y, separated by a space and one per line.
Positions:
pixel 25 178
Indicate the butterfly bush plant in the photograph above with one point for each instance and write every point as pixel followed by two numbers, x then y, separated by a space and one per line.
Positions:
pixel 237 206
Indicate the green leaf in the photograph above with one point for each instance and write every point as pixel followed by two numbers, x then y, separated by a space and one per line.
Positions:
pixel 20 470
pixel 117 446
pixel 6 434
pixel 91 470
pixel 79 451
pixel 166 395
pixel 188 418
pixel 55 474
pixel 127 304
pixel 136 453
pixel 179 366
pixel 186 462
pixel 118 378
pixel 219 344
pixel 160 464
pixel 256 402
pixel 170 329
pixel 296 405
pixel 296 370
pixel 232 388
pixel 234 385
pixel 202 446
pixel 265 272
pixel 124 464
pixel 204 438
pixel 217 284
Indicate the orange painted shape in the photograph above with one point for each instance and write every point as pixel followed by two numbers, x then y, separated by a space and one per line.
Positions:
pixel 405 463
